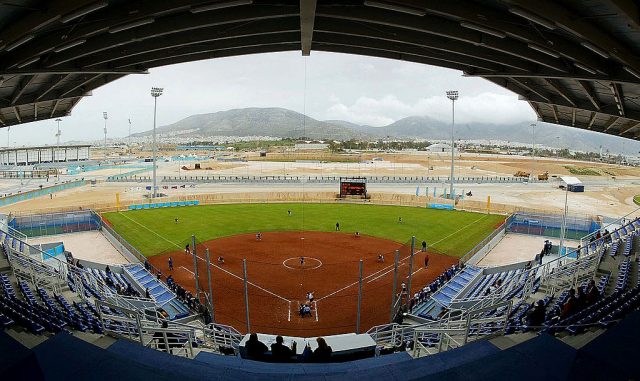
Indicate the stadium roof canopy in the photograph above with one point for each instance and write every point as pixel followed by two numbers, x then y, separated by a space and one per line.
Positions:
pixel 576 62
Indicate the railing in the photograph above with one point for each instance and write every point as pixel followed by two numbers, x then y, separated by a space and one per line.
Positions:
pixel 320 179
pixel 584 241
pixel 131 324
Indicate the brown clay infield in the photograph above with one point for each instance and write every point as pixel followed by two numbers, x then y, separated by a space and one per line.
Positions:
pixel 278 282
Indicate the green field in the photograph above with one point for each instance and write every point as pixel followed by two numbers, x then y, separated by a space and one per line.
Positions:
pixel 153 231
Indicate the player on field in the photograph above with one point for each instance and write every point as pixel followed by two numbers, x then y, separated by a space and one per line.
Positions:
pixel 170 264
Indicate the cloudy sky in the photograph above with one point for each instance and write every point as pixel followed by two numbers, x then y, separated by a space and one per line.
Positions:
pixel 358 89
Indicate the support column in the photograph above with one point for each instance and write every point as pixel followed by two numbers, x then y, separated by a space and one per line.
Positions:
pixel 210 289
pixel 413 250
pixel 359 299
pixel 195 265
pixel 395 285
pixel 246 294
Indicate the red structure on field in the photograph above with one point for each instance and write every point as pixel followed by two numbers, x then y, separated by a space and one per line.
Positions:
pixel 279 282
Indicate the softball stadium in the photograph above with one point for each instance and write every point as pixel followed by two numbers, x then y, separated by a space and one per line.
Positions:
pixel 148 261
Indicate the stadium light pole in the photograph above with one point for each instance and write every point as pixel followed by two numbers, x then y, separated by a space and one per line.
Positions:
pixel 155 93
pixel 129 137
pixel 453 95
pixel 58 133
pixel 104 115
pixel 58 120
pixel 533 151
pixel 9 135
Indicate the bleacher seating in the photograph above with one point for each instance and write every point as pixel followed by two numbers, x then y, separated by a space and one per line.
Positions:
pixel 159 291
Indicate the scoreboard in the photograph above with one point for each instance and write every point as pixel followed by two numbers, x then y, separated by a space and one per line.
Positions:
pixel 353 187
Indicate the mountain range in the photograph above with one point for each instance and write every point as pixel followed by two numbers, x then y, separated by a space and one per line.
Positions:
pixel 283 123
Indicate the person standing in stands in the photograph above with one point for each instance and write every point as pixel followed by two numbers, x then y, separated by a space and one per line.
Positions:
pixel 281 352
pixel 147 294
pixel 255 348
pixel 323 352
pixel 170 264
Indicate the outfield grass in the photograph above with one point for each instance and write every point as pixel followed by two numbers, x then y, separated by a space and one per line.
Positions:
pixel 451 232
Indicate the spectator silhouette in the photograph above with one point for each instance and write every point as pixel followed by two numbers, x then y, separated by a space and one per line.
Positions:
pixel 255 348
pixel 323 352
pixel 281 352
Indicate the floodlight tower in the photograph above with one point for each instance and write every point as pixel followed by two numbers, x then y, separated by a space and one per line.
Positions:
pixel 453 95
pixel 58 133
pixel 533 151
pixel 155 93
pixel 129 137
pixel 104 115
pixel 9 130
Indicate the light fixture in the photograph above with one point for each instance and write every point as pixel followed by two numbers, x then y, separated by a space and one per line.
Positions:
pixel 482 29
pixel 19 42
pixel 533 18
pixel 28 62
pixel 220 5
pixel 83 11
pixel 131 25
pixel 632 72
pixel 156 91
pixel 69 45
pixel 595 49
pixel 585 68
pixel 544 50
pixel 395 7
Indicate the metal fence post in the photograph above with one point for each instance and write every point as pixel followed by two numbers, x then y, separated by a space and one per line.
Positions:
pixel 359 299
pixel 210 289
pixel 246 294
pixel 195 265
pixel 395 283
pixel 413 250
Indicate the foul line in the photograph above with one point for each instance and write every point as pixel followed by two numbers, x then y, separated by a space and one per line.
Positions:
pixel 182 267
pixel 315 303
pixel 218 267
pixel 389 268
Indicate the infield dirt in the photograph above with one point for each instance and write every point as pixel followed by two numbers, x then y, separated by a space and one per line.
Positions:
pixel 276 291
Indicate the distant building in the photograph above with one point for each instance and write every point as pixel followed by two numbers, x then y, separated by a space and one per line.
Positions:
pixel 200 148
pixel 440 147
pixel 311 147
pixel 44 154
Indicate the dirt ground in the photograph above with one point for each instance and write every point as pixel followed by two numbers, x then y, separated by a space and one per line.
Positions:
pixel 279 282
pixel 90 246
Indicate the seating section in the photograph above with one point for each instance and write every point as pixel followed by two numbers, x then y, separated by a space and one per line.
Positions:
pixel 455 285
pixel 159 291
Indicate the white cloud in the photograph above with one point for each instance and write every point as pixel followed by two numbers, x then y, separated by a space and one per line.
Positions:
pixel 481 108
pixel 359 89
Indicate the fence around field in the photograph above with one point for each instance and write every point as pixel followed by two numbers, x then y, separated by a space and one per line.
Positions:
pixel 464 204
pixel 284 179
pixel 36 225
